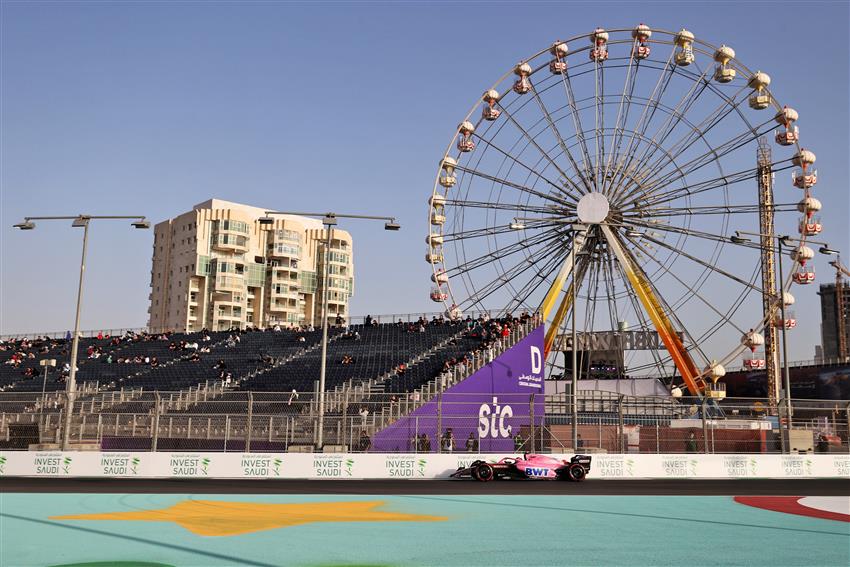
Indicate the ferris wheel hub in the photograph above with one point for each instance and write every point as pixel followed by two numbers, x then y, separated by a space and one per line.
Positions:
pixel 593 208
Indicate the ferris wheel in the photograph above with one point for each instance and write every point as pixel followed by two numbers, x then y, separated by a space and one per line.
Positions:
pixel 613 167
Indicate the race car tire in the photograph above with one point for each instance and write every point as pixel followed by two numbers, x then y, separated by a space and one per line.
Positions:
pixel 576 473
pixel 483 472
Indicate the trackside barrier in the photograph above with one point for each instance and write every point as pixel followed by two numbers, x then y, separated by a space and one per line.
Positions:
pixel 386 465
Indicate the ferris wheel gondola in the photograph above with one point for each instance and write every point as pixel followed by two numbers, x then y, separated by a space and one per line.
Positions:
pixel 616 174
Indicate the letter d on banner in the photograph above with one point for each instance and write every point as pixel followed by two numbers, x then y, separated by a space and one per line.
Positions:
pixel 536 360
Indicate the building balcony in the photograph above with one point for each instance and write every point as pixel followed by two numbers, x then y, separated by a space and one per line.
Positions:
pixel 229 283
pixel 230 243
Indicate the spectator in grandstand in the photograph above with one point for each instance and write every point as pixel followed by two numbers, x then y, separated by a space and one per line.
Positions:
pixel 67 335
pixel 364 413
pixel 154 362
pixel 447 443
pixel 472 443
pixel 195 357
pixel 579 441
pixel 424 444
pixel 292 396
pixel 519 442
pixel 301 339
pixel 364 443
pixel 691 443
pixel 339 321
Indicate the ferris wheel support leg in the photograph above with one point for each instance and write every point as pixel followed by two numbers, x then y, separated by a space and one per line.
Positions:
pixel 558 285
pixel 552 331
pixel 681 358
pixel 555 290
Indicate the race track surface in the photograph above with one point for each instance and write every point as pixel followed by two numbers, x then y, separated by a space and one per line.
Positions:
pixel 665 487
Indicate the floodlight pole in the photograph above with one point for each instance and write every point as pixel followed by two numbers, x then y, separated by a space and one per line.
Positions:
pixel 320 434
pixel 329 220
pixel 578 241
pixel 139 221
pixel 781 241
pixel 71 386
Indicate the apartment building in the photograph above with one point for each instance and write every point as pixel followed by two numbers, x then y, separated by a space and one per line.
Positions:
pixel 219 267
pixel 835 318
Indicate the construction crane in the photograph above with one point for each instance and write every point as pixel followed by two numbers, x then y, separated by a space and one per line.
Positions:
pixel 840 272
pixel 770 297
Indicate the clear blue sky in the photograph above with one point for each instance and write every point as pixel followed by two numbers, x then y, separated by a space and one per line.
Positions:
pixel 149 108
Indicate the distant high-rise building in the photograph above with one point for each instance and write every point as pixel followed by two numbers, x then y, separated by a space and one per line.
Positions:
pixel 218 267
pixel 830 323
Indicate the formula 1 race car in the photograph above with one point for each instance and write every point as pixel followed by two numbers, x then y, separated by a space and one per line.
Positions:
pixel 528 466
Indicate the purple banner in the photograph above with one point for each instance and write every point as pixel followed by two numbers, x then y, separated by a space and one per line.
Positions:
pixel 495 406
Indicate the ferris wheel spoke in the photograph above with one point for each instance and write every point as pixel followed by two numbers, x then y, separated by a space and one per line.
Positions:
pixel 599 123
pixel 705 264
pixel 515 272
pixel 650 106
pixel 706 210
pixel 517 186
pixel 726 108
pixel 622 119
pixel 531 286
pixel 610 290
pixel 692 292
pixel 571 101
pixel 711 156
pixel 674 117
pixel 641 317
pixel 663 319
pixel 655 198
pixel 563 145
pixel 503 253
pixel 501 206
pixel 652 196
pixel 494 231
pixel 534 143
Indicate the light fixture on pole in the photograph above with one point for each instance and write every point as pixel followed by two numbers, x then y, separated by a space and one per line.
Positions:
pixel 329 220
pixel 78 221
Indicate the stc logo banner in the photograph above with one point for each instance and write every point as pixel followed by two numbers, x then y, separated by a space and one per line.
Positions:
pixel 496 405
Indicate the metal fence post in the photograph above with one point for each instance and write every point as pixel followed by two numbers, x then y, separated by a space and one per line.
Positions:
pixel 226 431
pixel 416 434
pixel 531 415
pixel 704 427
pixel 847 423
pixel 599 421
pixel 439 434
pixel 657 438
pixel 250 422
pixel 346 433
pixel 156 414
pixel 620 424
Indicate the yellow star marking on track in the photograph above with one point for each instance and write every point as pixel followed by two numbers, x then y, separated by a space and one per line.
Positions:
pixel 214 518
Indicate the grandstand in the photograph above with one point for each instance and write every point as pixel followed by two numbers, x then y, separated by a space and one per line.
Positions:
pixel 128 382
